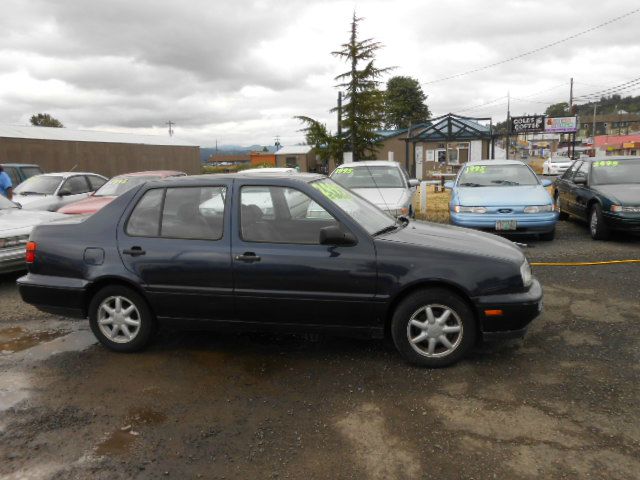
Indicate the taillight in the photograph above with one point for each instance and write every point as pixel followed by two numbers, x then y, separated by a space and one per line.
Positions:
pixel 30 256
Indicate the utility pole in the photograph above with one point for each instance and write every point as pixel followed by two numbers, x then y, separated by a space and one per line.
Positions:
pixel 508 122
pixel 573 136
pixel 171 124
pixel 277 142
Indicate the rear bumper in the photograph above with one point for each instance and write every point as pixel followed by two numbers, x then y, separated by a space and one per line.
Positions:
pixel 619 222
pixel 518 310
pixel 57 295
pixel 526 223
pixel 12 259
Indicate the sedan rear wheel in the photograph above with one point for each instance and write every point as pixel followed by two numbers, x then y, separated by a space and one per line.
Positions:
pixel 433 328
pixel 121 319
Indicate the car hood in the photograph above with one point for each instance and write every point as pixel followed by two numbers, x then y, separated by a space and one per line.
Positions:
pixel 463 240
pixel 384 197
pixel 19 222
pixel 32 201
pixel 503 196
pixel 87 205
pixel 626 194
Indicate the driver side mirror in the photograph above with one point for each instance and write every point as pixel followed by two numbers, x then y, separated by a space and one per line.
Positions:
pixel 448 185
pixel 580 180
pixel 333 235
pixel 546 182
pixel 413 182
pixel 64 192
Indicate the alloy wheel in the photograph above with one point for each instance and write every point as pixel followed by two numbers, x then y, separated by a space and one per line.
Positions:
pixel 119 319
pixel 434 331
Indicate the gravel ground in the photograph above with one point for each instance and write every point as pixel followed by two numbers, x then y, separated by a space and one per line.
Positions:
pixel 563 403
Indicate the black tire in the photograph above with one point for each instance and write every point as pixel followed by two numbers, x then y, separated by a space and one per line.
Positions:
pixel 556 201
pixel 548 236
pixel 141 335
pixel 413 307
pixel 597 227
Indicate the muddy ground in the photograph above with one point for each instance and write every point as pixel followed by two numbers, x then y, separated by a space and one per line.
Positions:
pixel 563 403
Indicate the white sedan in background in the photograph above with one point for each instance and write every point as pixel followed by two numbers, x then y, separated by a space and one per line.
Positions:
pixel 51 191
pixel 556 165
pixel 383 183
pixel 15 226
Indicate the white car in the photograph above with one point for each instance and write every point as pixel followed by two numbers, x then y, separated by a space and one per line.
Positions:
pixel 556 165
pixel 383 183
pixel 15 226
pixel 51 191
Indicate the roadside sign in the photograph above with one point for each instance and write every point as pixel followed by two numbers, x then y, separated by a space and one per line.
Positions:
pixel 561 124
pixel 527 124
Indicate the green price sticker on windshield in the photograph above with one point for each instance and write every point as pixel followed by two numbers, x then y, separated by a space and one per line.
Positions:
pixel 332 192
pixel 344 171
pixel 606 163
pixel 119 181
pixel 477 169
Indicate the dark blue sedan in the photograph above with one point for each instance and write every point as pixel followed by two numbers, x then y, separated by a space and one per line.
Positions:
pixel 278 252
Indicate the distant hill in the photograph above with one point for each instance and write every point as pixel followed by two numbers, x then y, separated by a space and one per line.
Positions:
pixel 206 152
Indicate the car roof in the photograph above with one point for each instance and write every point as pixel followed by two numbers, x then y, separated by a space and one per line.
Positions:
pixel 611 157
pixel 371 163
pixel 152 173
pixel 501 161
pixel 66 174
pixel 213 177
pixel 269 170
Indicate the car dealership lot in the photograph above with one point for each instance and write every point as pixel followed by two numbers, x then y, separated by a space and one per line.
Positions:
pixel 561 403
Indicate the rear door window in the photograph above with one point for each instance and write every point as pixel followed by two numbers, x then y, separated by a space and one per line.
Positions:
pixel 193 213
pixel 145 218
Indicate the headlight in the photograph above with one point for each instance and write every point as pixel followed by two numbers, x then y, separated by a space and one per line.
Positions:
pixel 461 209
pixel 525 273
pixel 538 208
pixel 620 208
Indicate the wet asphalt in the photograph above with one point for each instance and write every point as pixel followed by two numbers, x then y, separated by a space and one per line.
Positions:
pixel 562 403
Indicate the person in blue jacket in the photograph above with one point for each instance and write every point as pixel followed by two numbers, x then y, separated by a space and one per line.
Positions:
pixel 6 187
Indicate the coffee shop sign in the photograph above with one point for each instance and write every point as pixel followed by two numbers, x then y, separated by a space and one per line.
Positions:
pixel 531 123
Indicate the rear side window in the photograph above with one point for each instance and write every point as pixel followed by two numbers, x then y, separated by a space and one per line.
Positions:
pixel 145 218
pixel 96 182
pixel 195 213
pixel 76 185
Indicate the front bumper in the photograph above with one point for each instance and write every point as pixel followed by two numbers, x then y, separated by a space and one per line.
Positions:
pixel 628 222
pixel 518 310
pixel 57 295
pixel 526 222
pixel 12 259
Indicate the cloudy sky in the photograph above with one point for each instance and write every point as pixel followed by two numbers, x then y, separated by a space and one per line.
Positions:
pixel 238 71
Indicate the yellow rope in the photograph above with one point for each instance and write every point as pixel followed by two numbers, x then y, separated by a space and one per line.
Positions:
pixel 581 264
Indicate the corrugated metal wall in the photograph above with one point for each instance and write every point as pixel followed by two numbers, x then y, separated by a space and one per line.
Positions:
pixel 108 159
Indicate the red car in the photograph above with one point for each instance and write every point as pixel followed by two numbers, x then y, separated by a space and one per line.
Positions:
pixel 115 187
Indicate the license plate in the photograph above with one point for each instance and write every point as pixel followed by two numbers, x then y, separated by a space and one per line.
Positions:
pixel 506 225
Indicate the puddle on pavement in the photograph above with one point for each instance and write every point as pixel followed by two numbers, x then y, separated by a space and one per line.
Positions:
pixel 122 440
pixel 119 442
pixel 15 339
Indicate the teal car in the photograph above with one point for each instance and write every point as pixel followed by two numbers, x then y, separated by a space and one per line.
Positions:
pixel 604 192
pixel 502 196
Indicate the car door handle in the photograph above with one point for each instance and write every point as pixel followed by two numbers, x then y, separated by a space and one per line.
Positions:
pixel 134 251
pixel 248 257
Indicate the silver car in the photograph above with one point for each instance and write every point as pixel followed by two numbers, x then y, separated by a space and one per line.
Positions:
pixel 51 191
pixel 383 183
pixel 15 227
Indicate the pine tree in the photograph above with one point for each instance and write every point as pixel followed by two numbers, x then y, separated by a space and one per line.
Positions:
pixel 364 102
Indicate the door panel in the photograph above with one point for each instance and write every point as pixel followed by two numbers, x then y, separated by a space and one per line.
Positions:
pixel 187 277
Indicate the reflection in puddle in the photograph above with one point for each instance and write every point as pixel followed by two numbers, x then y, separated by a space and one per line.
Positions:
pixel 15 339
pixel 122 440
pixel 119 442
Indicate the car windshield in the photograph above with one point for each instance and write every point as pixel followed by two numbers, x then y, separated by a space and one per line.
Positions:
pixel 5 203
pixel 496 176
pixel 39 185
pixel 369 177
pixel 118 185
pixel 372 219
pixel 612 172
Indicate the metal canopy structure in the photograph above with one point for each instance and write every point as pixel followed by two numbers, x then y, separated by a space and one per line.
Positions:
pixel 451 128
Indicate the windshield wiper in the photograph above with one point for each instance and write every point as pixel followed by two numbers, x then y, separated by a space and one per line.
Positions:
pixel 30 193
pixel 387 229
pixel 470 184
pixel 505 182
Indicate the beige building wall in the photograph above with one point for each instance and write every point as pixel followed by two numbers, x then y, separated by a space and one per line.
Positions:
pixel 108 159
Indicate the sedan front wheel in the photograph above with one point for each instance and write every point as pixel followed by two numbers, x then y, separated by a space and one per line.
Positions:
pixel 433 328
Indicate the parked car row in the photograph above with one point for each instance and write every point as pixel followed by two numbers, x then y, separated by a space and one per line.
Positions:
pixel 507 197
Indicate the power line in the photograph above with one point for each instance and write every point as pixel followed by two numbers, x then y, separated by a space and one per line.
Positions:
pixel 535 50
pixel 631 84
